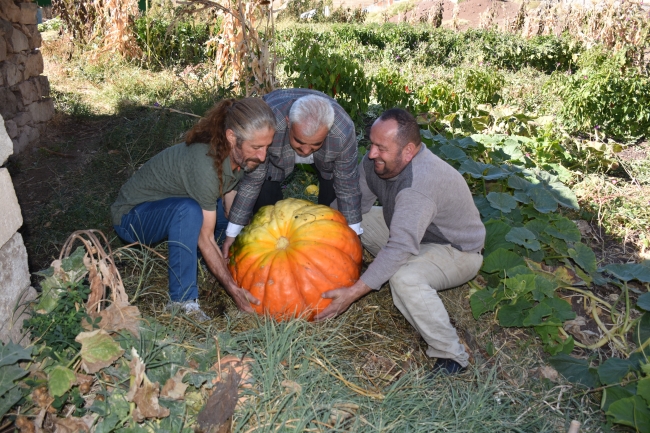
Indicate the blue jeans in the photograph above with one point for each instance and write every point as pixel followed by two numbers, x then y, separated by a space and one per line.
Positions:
pixel 178 220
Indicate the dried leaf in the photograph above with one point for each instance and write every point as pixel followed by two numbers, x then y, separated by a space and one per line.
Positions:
pixel 70 425
pixel 174 388
pixel 137 374
pixel 121 316
pixel 221 404
pixel 146 400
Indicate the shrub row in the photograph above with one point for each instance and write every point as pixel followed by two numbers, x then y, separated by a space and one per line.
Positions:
pixel 437 46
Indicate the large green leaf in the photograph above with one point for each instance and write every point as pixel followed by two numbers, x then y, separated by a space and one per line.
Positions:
pixel 113 412
pixel 632 411
pixel 555 310
pixel 564 229
pixel 502 201
pixel 542 199
pixel 513 315
pixel 644 302
pixel 560 192
pixel 495 236
pixel 518 182
pixel 473 168
pixel 519 284
pixel 60 380
pixel 614 393
pixel 575 370
pixel 8 375
pixel 501 259
pixel 543 288
pixel 584 257
pixel 9 399
pixel 494 173
pixel 629 271
pixel 524 237
pixel 643 389
pixel 613 370
pixel 452 152
pixel 11 353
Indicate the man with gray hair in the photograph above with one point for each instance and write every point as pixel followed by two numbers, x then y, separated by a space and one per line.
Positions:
pixel 311 128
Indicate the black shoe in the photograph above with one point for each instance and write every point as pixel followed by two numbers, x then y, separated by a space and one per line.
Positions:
pixel 447 367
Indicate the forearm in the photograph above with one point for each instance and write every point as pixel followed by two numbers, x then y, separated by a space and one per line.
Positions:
pixel 215 262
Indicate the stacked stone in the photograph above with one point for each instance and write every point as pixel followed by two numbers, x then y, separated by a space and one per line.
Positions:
pixel 15 289
pixel 24 102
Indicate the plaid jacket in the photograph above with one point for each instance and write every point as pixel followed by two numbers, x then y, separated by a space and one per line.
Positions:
pixel 337 158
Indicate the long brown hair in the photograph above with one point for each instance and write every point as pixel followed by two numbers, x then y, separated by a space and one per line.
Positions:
pixel 243 117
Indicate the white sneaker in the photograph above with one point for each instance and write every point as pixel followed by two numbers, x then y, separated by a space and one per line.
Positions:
pixel 190 308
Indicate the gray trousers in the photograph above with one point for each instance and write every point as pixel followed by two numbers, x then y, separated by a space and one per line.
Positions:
pixel 415 286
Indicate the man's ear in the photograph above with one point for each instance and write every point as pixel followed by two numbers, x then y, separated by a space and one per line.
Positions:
pixel 231 137
pixel 409 152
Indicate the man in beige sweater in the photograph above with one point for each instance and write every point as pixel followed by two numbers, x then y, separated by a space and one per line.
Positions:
pixel 427 236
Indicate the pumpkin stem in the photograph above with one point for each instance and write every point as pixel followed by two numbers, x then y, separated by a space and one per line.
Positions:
pixel 282 243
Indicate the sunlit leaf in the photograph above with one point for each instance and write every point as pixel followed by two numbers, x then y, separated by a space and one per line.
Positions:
pixel 502 201
pixel 501 259
pixel 584 257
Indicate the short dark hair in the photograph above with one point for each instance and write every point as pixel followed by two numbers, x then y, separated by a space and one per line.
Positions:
pixel 408 130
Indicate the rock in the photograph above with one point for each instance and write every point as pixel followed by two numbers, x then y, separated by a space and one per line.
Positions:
pixel 26 136
pixel 12 128
pixel 34 36
pixel 11 219
pixel 22 118
pixel 11 74
pixel 15 290
pixel 29 90
pixel 43 85
pixel 9 11
pixel 3 49
pixel 6 29
pixel 34 64
pixel 42 110
pixel 8 103
pixel 28 13
pixel 17 42
pixel 6 146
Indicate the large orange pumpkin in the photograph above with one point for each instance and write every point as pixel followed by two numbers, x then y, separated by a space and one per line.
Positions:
pixel 291 253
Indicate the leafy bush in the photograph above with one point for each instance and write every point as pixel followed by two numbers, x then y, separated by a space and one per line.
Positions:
pixel 309 65
pixel 606 96
pixel 482 85
pixel 296 7
pixel 391 89
pixel 164 44
pixel 53 24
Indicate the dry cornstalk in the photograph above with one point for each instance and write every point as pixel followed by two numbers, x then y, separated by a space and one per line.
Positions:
pixel 243 44
pixel 487 17
pixel 434 15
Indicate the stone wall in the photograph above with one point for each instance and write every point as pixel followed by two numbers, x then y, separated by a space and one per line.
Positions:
pixel 15 289
pixel 24 102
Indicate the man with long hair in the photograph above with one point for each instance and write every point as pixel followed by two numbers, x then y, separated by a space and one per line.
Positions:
pixel 427 236
pixel 174 195
pixel 312 128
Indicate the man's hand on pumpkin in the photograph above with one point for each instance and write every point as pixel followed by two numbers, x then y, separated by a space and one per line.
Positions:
pixel 342 298
pixel 225 248
pixel 243 298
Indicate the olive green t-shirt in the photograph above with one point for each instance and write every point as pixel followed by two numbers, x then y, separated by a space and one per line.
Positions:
pixel 178 171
